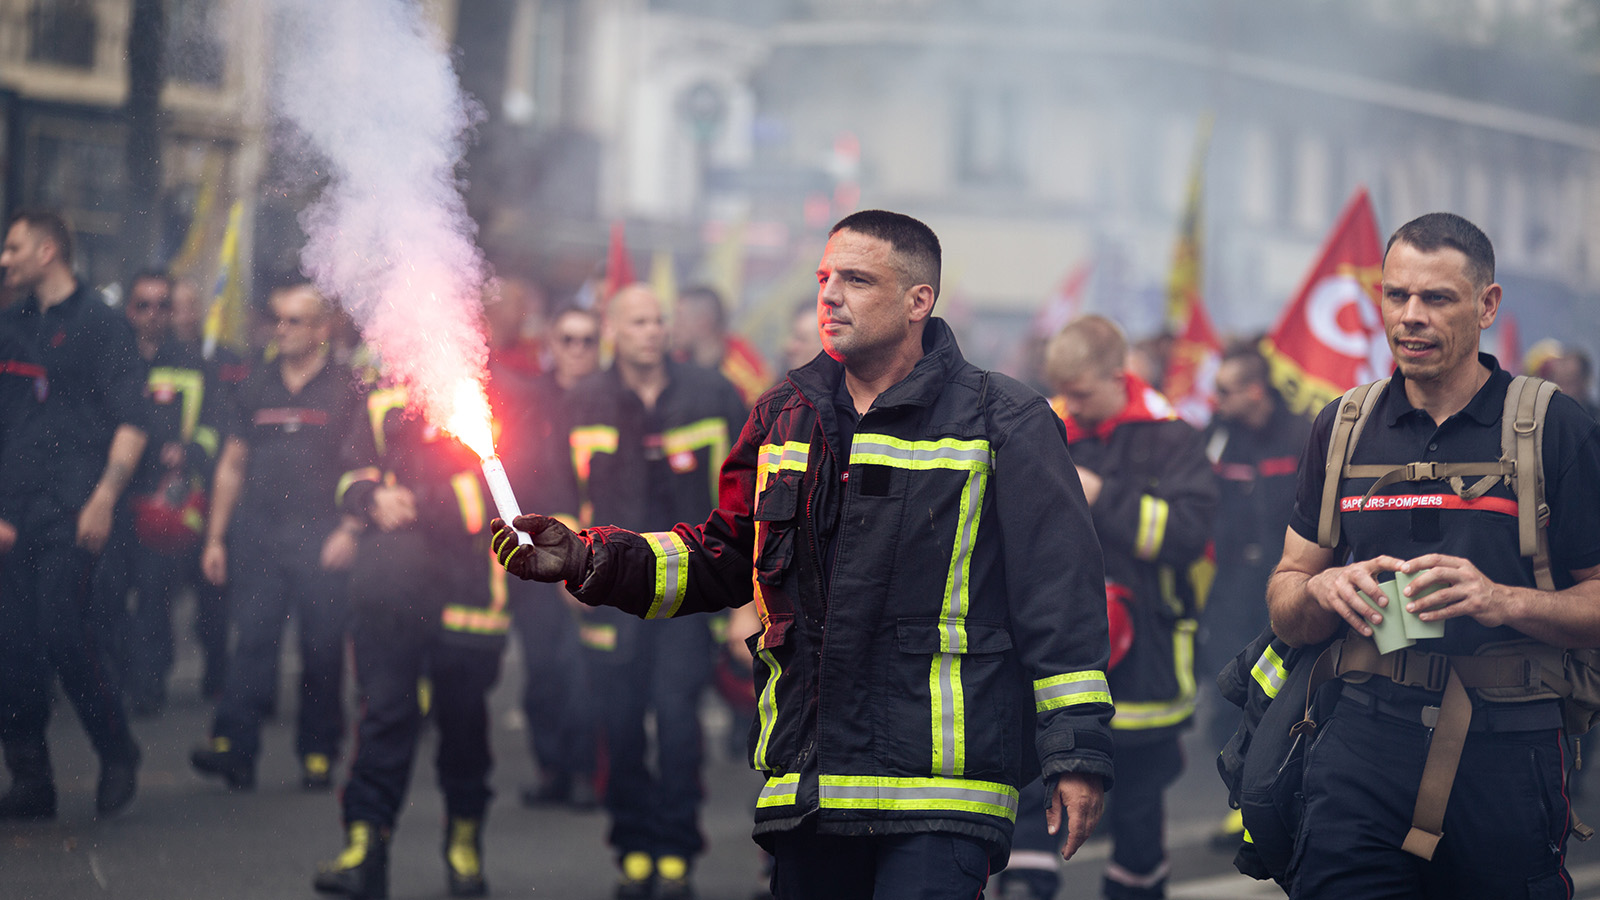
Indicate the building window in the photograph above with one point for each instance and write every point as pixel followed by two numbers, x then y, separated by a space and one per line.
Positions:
pixel 194 55
pixel 62 32
pixel 988 137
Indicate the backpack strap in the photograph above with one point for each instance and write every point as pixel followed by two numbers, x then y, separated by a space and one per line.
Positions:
pixel 1522 444
pixel 1354 408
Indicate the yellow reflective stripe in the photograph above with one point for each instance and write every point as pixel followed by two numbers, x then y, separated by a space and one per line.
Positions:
pixel 475 620
pixel 190 385
pixel 948 706
pixel 1269 672
pixel 379 403
pixel 793 455
pixel 1161 713
pixel 888 793
pixel 707 433
pixel 365 473
pixel 672 573
pixel 770 459
pixel 1089 686
pixel 586 442
pixel 1152 529
pixel 884 450
pixel 206 437
pixel 766 709
pixel 780 790
pixel 469 499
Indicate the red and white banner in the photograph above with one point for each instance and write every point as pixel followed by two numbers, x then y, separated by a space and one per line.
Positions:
pixel 1331 336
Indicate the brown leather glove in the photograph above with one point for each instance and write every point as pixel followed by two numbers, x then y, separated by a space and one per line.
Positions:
pixel 556 554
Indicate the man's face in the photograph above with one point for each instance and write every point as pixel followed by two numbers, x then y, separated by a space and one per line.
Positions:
pixel 1092 398
pixel 638 333
pixel 863 310
pixel 575 346
pixel 25 258
pixel 1238 398
pixel 1433 312
pixel 149 309
pixel 301 325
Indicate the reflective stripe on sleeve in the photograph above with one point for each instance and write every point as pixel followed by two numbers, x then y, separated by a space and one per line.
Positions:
pixel 1270 673
pixel 469 499
pixel 918 794
pixel 1152 529
pixel 1072 688
pixel 672 573
pixel 780 790
pixel 348 480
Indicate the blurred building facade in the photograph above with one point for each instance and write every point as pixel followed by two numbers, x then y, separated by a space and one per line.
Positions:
pixel 1037 135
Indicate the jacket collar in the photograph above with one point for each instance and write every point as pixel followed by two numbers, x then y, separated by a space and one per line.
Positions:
pixel 1145 404
pixel 817 380
pixel 1484 408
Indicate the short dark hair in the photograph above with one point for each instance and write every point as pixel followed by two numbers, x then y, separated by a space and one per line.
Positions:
pixel 914 243
pixel 708 295
pixel 573 309
pixel 1441 229
pixel 53 226
pixel 1253 366
pixel 160 275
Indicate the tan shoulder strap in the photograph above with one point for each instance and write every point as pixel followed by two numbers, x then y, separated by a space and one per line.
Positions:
pixel 1522 442
pixel 1354 408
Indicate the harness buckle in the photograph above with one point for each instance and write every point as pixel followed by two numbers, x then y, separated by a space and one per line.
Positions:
pixel 1422 471
pixel 1414 668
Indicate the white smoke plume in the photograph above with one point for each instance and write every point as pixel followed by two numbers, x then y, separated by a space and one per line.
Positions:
pixel 369 86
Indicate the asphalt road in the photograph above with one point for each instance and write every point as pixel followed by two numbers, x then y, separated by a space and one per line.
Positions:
pixel 186 837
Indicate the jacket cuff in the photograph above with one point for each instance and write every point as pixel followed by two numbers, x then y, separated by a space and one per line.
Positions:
pixel 1071 750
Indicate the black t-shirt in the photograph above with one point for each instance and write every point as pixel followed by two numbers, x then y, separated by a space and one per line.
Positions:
pixel 185 406
pixel 93 383
pixel 296 445
pixel 1409 519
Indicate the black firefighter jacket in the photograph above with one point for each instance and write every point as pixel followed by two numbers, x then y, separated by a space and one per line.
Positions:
pixel 1154 518
pixel 960 631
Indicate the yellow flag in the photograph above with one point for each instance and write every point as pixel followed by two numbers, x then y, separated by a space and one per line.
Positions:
pixel 1183 284
pixel 664 280
pixel 225 321
pixel 188 259
pixel 724 266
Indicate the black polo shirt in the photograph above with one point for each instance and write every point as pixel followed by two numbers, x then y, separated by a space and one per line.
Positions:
pixel 296 443
pixel 93 383
pixel 1415 518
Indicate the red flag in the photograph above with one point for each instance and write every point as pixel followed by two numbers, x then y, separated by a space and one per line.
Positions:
pixel 1509 346
pixel 619 268
pixel 1191 377
pixel 1331 336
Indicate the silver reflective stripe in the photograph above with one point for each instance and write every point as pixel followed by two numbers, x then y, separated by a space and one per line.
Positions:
pixel 780 790
pixel 1065 690
pixel 1269 672
pixel 887 793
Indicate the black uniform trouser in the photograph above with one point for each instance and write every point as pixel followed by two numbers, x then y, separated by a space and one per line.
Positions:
pixel 394 649
pixel 933 866
pixel 661 666
pixel 1135 817
pixel 265 587
pixel 1505 829
pixel 51 625
pixel 556 694
pixel 150 652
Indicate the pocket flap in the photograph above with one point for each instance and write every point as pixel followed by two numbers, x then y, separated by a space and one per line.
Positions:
pixel 780 499
pixel 930 636
pixel 775 634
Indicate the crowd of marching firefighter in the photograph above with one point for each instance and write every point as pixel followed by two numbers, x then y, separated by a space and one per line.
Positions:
pixel 291 480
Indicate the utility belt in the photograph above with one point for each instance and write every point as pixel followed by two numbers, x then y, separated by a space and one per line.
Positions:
pixel 1510 674
pixel 1534 715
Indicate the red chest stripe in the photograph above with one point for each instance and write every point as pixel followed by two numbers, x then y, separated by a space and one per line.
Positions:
pixel 1428 501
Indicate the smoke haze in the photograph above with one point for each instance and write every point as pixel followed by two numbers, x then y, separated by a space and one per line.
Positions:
pixel 369 87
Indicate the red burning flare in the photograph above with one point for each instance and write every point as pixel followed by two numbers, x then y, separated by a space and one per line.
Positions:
pixel 470 420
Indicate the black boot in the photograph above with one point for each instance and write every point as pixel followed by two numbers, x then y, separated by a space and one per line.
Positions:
pixel 119 781
pixel 463 858
pixel 218 758
pixel 32 795
pixel 362 870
